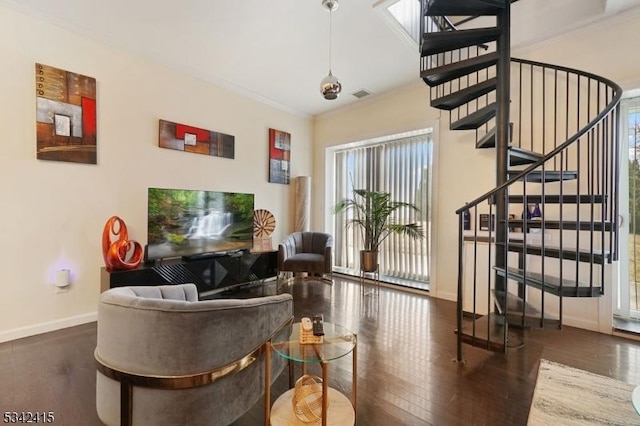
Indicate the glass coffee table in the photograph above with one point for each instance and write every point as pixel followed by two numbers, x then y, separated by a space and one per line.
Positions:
pixel 336 409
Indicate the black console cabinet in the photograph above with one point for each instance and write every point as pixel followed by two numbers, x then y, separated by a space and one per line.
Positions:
pixel 209 274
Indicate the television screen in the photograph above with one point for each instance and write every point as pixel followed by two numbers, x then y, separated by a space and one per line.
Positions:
pixel 190 222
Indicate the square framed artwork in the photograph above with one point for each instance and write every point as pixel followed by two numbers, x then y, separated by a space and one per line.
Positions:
pixel 66 120
pixel 279 156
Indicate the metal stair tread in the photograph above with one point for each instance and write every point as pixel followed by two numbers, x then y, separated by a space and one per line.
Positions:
pixel 467 8
pixel 558 199
pixel 517 156
pixel 569 225
pixel 520 157
pixel 582 255
pixel 537 176
pixel 440 42
pixel 442 74
pixel 463 96
pixel 489 333
pixel 549 283
pixel 514 303
pixel 475 119
pixel 520 313
pixel 488 140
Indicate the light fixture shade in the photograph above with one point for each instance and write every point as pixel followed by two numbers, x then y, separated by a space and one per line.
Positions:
pixel 330 87
pixel 330 5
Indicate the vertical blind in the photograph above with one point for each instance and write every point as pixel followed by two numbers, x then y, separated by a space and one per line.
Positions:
pixel 403 168
pixel 631 123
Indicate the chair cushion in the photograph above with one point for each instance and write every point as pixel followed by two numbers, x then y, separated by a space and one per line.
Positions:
pixel 304 262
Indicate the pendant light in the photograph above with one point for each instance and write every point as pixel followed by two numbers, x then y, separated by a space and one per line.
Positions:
pixel 330 87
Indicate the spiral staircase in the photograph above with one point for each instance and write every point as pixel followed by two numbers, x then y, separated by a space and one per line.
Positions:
pixel 555 136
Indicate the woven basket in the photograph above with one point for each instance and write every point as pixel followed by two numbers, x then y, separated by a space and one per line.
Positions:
pixel 307 399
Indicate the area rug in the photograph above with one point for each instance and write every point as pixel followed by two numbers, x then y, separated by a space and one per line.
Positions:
pixel 567 396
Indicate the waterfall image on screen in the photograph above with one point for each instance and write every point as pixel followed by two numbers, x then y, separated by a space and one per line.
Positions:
pixel 210 225
pixel 190 222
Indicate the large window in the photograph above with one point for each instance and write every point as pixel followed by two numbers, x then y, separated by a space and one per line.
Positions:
pixel 402 166
pixel 628 294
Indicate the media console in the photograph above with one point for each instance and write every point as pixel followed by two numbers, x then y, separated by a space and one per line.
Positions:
pixel 210 275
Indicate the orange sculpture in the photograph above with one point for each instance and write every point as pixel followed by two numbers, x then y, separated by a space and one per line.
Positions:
pixel 123 253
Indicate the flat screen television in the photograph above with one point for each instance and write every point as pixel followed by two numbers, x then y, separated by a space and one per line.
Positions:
pixel 192 223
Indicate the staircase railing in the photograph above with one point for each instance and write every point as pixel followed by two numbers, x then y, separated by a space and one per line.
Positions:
pixel 562 156
pixel 570 119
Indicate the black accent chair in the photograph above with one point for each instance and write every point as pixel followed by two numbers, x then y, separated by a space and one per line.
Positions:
pixel 309 252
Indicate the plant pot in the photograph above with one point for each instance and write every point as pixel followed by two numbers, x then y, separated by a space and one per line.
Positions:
pixel 368 261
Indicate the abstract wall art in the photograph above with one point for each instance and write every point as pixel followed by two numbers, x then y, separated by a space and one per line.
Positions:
pixel 65 116
pixel 279 156
pixel 192 139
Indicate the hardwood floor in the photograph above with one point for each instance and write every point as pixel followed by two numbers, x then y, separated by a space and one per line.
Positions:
pixel 406 375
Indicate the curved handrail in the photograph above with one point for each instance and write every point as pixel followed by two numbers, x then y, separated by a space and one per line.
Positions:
pixel 586 128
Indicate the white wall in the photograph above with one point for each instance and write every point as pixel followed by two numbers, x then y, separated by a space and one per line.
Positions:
pixel 53 213
pixel 463 173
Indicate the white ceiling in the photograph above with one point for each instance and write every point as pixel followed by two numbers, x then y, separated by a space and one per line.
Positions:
pixel 278 51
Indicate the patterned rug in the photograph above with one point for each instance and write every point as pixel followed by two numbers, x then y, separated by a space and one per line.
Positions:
pixel 567 396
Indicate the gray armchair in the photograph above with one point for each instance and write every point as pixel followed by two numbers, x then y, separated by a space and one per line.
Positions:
pixel 309 252
pixel 165 358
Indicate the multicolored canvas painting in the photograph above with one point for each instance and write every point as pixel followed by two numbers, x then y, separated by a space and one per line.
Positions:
pixel 65 115
pixel 279 153
pixel 192 139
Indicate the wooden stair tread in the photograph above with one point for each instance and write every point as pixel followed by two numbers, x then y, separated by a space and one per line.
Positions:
pixel 442 74
pixel 550 284
pixel 582 255
pixel 475 119
pixel 461 97
pixel 445 41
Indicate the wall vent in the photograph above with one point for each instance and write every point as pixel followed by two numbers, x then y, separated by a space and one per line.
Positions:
pixel 361 93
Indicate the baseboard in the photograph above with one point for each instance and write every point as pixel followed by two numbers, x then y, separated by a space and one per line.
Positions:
pixel 580 323
pixel 46 327
pixel 446 296
pixel 626 334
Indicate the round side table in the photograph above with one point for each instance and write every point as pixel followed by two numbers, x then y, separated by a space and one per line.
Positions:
pixel 635 399
pixel 337 342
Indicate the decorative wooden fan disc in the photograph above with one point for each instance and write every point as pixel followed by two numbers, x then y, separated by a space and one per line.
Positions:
pixel 263 223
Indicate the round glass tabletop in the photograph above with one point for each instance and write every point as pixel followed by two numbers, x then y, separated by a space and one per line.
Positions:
pixel 635 399
pixel 337 342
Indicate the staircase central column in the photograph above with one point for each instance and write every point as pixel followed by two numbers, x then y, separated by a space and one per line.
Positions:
pixel 502 136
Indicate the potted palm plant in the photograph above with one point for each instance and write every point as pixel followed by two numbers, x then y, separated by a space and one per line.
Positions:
pixel 372 212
